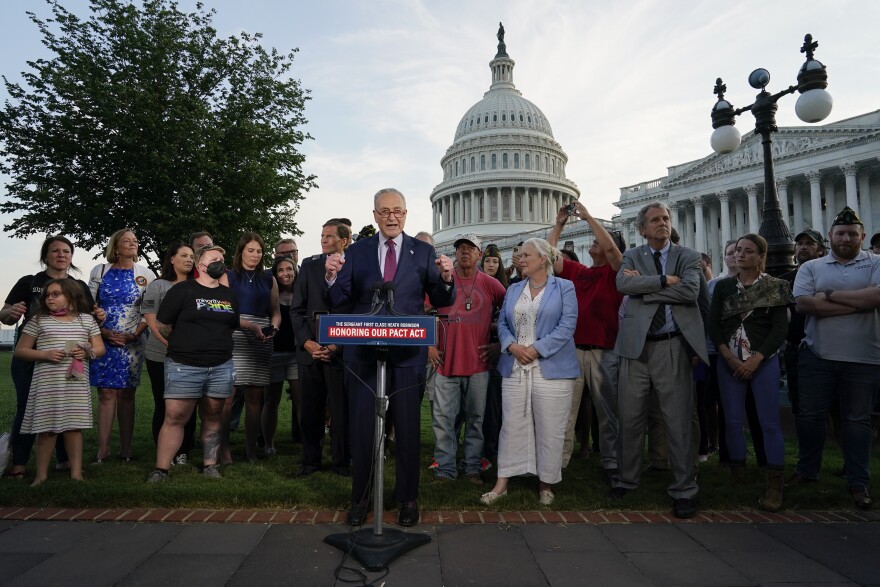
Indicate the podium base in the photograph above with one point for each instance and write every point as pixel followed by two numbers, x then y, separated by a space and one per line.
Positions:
pixel 374 551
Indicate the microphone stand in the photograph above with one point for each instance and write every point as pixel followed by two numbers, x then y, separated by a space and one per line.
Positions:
pixel 376 548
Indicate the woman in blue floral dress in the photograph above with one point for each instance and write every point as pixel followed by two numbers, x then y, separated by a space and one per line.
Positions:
pixel 118 288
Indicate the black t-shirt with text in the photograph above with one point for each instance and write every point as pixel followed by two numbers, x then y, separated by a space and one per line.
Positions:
pixel 203 319
pixel 29 289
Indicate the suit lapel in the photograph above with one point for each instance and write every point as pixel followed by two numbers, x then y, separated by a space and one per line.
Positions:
pixel 372 246
pixel 406 257
pixel 647 260
pixel 549 291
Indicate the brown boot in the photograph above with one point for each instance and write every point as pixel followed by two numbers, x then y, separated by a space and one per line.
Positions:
pixel 772 500
pixel 737 473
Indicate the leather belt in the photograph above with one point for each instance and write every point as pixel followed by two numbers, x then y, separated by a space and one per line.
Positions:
pixel 667 336
pixel 590 347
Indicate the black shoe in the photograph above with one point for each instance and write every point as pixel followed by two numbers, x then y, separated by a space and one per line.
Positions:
pixel 861 497
pixel 306 470
pixel 684 507
pixel 357 513
pixel 617 493
pixel 409 514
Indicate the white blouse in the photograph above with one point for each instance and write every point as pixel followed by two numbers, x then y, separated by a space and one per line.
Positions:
pixel 525 320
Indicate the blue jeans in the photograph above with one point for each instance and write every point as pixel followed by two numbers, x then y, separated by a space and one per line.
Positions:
pixel 853 384
pixel 189 382
pixel 449 394
pixel 765 388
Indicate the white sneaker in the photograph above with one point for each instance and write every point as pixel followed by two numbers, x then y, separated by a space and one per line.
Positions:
pixel 180 459
pixel 546 497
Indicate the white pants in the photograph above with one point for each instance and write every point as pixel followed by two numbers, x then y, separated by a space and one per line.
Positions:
pixel 535 412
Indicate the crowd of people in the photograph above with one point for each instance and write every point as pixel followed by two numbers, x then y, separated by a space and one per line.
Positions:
pixel 640 344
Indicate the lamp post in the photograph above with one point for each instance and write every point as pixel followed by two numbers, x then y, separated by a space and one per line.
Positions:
pixel 813 105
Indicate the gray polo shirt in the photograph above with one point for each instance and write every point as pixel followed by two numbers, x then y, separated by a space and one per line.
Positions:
pixel 155 350
pixel 854 338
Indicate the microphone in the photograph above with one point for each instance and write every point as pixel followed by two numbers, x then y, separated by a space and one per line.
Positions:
pixel 376 303
pixel 388 286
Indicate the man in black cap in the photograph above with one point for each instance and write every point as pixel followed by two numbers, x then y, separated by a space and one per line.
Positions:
pixel 840 353
pixel 875 243
pixel 808 245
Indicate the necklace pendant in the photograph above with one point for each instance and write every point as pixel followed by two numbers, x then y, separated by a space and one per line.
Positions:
pixel 467 304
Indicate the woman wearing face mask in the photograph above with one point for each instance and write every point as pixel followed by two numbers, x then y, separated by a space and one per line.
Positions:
pixel 56 255
pixel 257 294
pixel 118 286
pixel 178 266
pixel 197 318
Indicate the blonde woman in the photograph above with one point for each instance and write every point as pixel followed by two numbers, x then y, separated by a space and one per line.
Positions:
pixel 538 365
pixel 118 288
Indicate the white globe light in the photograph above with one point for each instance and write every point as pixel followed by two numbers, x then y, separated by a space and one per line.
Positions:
pixel 814 105
pixel 725 139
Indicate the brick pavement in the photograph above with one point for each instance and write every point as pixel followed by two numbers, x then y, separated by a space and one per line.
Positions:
pixel 258 516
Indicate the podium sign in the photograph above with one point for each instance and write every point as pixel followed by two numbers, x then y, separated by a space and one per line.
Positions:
pixel 381 330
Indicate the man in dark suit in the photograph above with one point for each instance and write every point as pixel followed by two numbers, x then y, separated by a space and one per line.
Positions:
pixel 416 271
pixel 660 331
pixel 320 366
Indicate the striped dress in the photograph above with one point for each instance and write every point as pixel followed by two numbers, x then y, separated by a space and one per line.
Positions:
pixel 56 403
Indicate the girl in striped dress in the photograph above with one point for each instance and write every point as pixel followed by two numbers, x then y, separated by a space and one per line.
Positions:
pixel 60 339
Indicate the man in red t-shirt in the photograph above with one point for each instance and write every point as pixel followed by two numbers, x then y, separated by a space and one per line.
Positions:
pixel 596 330
pixel 462 374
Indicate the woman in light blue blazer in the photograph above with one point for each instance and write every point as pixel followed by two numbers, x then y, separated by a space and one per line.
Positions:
pixel 539 365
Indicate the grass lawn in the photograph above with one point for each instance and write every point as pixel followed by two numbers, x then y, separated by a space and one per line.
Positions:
pixel 271 484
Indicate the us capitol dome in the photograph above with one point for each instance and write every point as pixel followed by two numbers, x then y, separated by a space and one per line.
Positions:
pixel 504 174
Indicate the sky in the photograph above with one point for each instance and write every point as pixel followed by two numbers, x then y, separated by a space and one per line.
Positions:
pixel 626 85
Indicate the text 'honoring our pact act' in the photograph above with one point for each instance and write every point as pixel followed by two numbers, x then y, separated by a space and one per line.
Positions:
pixel 383 331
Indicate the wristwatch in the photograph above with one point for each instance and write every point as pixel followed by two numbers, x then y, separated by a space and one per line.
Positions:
pixel 828 293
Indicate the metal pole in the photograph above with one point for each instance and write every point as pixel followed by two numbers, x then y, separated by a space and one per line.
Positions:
pixel 379 469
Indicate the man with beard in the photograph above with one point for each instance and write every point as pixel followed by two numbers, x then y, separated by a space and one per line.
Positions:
pixel 840 294
pixel 808 245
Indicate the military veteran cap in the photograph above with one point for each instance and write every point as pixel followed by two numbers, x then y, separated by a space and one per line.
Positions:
pixel 492 251
pixel 812 234
pixel 847 216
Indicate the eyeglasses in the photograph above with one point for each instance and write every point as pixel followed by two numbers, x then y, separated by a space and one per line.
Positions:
pixel 283 253
pixel 387 213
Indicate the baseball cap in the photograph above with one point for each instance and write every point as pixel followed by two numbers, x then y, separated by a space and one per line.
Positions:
pixel 813 234
pixel 469 238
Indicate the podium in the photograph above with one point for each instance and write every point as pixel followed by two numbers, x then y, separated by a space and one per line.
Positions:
pixel 375 548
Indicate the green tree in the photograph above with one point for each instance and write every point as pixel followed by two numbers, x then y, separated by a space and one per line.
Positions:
pixel 145 118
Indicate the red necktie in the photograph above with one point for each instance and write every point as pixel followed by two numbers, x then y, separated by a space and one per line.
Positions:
pixel 390 261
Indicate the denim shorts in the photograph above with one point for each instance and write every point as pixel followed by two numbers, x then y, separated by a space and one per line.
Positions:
pixel 188 382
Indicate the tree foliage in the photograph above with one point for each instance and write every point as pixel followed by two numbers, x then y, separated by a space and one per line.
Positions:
pixel 145 118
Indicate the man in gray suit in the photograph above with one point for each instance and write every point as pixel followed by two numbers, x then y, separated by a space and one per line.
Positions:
pixel 660 331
